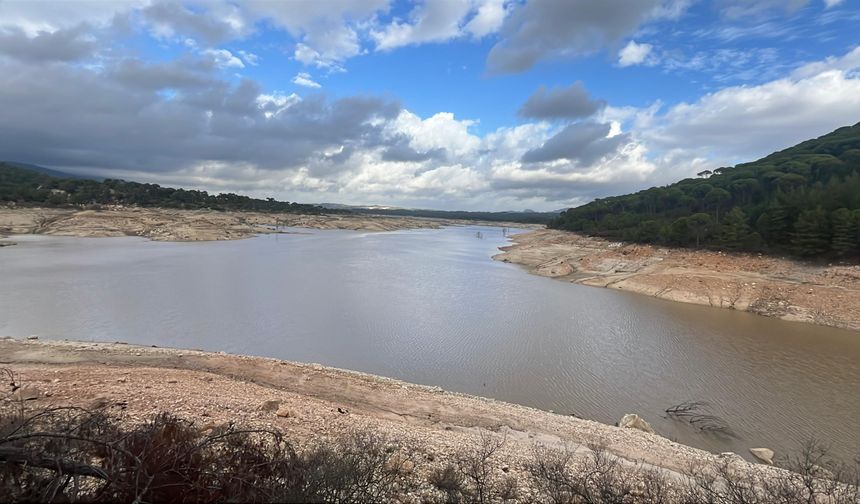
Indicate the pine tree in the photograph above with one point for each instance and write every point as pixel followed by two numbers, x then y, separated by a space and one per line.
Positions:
pixel 811 233
pixel 844 240
pixel 736 233
pixel 774 224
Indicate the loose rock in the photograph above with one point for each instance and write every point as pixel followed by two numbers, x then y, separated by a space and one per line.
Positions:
pixel 634 421
pixel 764 455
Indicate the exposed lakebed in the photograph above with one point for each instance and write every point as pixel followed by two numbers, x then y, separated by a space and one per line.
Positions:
pixel 430 306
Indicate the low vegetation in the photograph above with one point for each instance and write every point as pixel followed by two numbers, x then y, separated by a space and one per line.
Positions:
pixel 67 454
pixel 804 201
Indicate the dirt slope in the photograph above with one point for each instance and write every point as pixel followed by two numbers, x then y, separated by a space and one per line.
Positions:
pixel 770 286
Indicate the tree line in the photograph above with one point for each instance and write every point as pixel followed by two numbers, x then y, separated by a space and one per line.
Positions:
pixel 804 201
pixel 24 186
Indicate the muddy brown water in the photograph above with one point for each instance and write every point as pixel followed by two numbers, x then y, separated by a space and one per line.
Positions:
pixel 429 306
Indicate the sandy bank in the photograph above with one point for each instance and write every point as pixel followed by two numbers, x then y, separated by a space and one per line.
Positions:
pixel 213 388
pixel 185 225
pixel 770 286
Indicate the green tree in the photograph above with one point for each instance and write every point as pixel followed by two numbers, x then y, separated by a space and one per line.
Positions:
pixel 716 199
pixel 844 241
pixel 700 225
pixel 678 233
pixel 811 233
pixel 649 231
pixel 736 233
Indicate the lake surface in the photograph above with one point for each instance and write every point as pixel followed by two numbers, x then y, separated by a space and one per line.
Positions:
pixel 430 306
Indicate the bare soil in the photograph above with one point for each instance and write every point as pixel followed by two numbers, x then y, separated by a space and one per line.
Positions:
pixel 826 294
pixel 185 225
pixel 309 400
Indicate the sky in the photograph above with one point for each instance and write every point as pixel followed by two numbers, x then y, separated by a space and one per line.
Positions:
pixel 444 104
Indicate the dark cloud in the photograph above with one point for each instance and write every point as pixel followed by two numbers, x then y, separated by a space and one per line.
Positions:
pixel 75 117
pixel 543 29
pixel 174 17
pixel 572 102
pixel 584 143
pixel 62 45
pixel 184 73
pixel 400 151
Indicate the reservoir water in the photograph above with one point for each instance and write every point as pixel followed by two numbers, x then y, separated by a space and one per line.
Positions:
pixel 430 306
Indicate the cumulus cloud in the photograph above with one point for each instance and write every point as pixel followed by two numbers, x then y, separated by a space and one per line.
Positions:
pixel 572 102
pixel 304 79
pixel 746 122
pixel 488 19
pixel 223 58
pixel 192 121
pixel 326 31
pixel 249 58
pixel 542 30
pixel 99 121
pixel 633 54
pixel 36 17
pixel 63 44
pixel 583 143
pixel 220 21
pixel 428 22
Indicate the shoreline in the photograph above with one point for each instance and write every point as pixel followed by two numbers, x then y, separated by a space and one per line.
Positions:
pixel 763 285
pixel 160 224
pixel 217 388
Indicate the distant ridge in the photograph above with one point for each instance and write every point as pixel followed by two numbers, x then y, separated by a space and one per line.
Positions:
pixel 31 185
pixel 50 172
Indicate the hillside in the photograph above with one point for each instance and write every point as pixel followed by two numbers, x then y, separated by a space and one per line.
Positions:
pixel 804 200
pixel 24 185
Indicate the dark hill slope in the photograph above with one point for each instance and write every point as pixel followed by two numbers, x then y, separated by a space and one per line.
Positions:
pixel 804 200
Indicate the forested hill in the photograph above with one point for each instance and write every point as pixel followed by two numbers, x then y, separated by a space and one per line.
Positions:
pixel 804 200
pixel 21 185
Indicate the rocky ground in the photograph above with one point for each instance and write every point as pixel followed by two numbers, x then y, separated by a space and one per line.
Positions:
pixel 771 286
pixel 185 225
pixel 310 401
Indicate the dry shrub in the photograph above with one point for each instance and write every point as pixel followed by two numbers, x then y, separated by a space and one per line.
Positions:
pixel 560 477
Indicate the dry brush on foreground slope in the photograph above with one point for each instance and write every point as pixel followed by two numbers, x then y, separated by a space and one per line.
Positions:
pixel 101 422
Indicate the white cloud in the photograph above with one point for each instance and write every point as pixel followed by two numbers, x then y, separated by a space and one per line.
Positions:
pixel 223 58
pixel 488 19
pixel 274 104
pixel 633 54
pixel 434 21
pixel 304 79
pixel 249 58
pixel 746 122
pixel 35 16
pixel 832 3
pixel 439 131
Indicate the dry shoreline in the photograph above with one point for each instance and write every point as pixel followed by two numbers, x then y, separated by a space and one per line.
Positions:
pixel 186 225
pixel 211 389
pixel 770 286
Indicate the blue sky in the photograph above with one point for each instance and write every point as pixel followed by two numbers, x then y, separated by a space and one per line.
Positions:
pixel 421 103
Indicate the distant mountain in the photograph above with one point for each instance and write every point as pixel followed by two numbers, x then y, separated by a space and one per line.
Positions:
pixel 48 171
pixel 527 217
pixel 804 200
